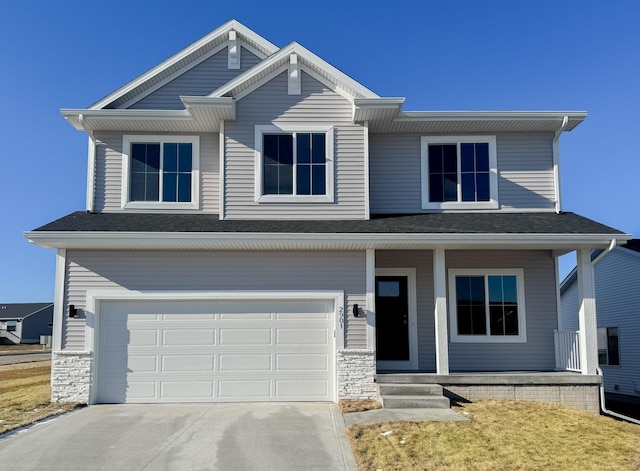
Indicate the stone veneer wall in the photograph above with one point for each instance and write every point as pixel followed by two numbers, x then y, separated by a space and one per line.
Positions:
pixel 71 375
pixel 582 396
pixel 356 374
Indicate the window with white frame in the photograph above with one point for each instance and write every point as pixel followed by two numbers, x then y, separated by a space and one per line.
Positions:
pixel 160 172
pixel 608 346
pixel 459 172
pixel 12 326
pixel 487 305
pixel 294 164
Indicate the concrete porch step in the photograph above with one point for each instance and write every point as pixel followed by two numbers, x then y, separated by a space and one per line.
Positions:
pixel 410 389
pixel 415 402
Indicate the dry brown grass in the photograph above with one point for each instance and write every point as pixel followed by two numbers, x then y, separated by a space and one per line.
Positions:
pixel 501 436
pixel 21 348
pixel 358 406
pixel 25 395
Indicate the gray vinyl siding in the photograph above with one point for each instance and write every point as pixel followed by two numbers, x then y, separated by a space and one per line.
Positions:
pixel 525 172
pixel 201 80
pixel 214 271
pixel 35 325
pixel 271 104
pixel 618 305
pixel 569 306
pixel 422 261
pixel 538 353
pixel 108 184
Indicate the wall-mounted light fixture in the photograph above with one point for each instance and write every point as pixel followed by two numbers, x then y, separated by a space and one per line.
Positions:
pixel 73 312
pixel 356 311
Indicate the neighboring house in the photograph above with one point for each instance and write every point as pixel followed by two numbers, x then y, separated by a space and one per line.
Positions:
pixel 617 281
pixel 25 322
pixel 261 227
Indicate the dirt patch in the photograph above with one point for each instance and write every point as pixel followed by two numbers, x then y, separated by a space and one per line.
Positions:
pixel 358 406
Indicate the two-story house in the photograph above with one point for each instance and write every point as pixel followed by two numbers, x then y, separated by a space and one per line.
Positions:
pixel 261 227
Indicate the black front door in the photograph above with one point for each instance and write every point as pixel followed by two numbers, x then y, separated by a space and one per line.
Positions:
pixel 392 318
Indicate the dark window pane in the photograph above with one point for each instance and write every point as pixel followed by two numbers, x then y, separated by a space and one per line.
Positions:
pixel 319 148
pixel 388 289
pixel 467 163
pixel 495 289
pixel 496 319
pixel 270 149
pixel 436 191
pixel 479 321
pixel 476 288
pixel 319 180
pixel 612 346
pixel 285 149
pixel 153 157
pixel 435 159
pixel 482 187
pixel 482 157
pixel 152 190
pixel 303 182
pixel 170 157
pixel 185 153
pixel 465 326
pixel 510 319
pixel 303 148
pixel 463 289
pixel 136 192
pixel 285 184
pixel 450 187
pixel 270 184
pixel 510 289
pixel 184 187
pixel 138 157
pixel 169 186
pixel 468 184
pixel 450 158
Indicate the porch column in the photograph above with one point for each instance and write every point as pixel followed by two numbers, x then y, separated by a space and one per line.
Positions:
pixel 440 295
pixel 370 286
pixel 587 314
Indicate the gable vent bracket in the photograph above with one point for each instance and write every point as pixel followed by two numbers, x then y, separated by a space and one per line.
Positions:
pixel 234 51
pixel 295 86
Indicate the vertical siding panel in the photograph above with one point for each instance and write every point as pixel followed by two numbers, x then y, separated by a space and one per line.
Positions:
pixel 215 271
pixel 525 172
pixel 538 353
pixel 201 80
pixel 270 104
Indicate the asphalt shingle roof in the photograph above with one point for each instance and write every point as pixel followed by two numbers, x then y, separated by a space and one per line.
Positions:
pixel 21 310
pixel 435 223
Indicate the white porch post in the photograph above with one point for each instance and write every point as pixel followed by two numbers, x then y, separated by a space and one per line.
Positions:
pixel 371 298
pixel 587 314
pixel 440 294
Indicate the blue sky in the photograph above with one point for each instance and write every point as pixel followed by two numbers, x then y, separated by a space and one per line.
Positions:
pixel 454 55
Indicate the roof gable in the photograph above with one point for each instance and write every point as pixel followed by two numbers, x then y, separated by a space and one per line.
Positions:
pixel 21 310
pixel 184 60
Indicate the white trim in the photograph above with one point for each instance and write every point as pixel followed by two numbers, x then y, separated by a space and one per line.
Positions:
pixel 556 266
pixel 233 51
pixel 294 79
pixel 457 140
pixel 440 311
pixel 221 170
pixel 329 197
pixel 95 297
pixel 367 190
pixel 128 139
pixel 587 323
pixel 370 282
pixel 91 173
pixel 58 299
pixel 412 364
pixel 327 83
pixel 556 163
pixel 488 338
pixel 259 83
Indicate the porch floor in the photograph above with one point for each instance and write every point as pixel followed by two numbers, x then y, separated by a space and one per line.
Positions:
pixel 489 378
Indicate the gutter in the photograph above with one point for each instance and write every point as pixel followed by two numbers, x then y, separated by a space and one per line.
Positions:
pixel 603 407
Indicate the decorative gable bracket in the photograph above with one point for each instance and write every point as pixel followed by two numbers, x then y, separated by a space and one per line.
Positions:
pixel 233 51
pixel 295 82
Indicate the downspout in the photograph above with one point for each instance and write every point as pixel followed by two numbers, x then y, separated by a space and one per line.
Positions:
pixel 612 246
pixel 604 408
pixel 556 161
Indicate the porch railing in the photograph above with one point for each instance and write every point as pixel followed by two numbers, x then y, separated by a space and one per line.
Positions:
pixel 567 350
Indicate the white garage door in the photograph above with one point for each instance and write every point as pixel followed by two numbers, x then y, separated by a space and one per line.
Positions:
pixel 205 351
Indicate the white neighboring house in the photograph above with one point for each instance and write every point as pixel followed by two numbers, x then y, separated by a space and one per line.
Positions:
pixel 617 284
pixel 261 227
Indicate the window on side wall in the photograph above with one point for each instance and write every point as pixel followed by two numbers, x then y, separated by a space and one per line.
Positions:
pixel 459 172
pixel 160 172
pixel 12 326
pixel 608 346
pixel 294 165
pixel 487 305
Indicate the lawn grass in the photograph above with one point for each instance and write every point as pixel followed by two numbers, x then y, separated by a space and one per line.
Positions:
pixel 25 395
pixel 501 435
pixel 347 406
pixel 21 348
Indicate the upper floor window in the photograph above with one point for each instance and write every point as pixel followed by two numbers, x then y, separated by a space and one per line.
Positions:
pixel 459 172
pixel 487 305
pixel 160 172
pixel 294 164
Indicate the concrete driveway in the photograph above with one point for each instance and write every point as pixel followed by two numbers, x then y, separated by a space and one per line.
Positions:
pixel 280 436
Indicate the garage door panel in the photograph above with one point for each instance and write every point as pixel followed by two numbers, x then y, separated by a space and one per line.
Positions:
pixel 159 351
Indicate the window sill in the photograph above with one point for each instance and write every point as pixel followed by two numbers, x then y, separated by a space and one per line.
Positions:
pixel 158 205
pixel 454 205
pixel 295 199
pixel 488 339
